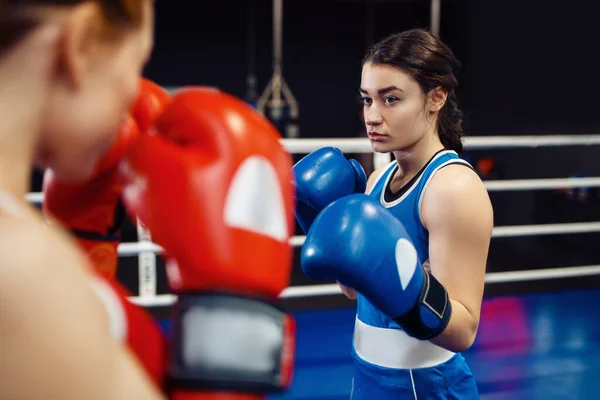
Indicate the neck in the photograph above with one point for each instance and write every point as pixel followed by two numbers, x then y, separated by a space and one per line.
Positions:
pixel 15 168
pixel 412 159
pixel 25 75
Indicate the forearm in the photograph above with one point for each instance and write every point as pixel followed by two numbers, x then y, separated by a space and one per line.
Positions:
pixel 460 332
pixel 348 292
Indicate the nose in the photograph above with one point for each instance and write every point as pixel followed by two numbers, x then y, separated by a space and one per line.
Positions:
pixel 373 116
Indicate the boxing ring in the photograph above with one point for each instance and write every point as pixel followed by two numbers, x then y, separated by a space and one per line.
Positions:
pixel 146 250
pixel 508 359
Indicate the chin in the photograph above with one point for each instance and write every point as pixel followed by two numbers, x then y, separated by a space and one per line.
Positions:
pixel 379 147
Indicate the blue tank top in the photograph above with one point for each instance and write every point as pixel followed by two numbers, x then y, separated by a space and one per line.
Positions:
pixel 405 205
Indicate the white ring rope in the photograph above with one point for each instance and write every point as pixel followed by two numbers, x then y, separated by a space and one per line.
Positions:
pixel 363 145
pixel 492 186
pixel 35 198
pixel 541 184
pixel 545 229
pixel 134 248
pixel 333 289
pixel 292 292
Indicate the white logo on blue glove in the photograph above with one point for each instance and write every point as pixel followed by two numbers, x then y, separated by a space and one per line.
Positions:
pixel 406 261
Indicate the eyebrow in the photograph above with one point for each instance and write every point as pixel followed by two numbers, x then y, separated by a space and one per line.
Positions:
pixel 383 90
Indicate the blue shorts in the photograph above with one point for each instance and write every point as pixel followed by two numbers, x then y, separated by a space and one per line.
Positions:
pixel 450 380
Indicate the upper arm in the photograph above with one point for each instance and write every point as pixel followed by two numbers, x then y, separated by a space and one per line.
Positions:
pixel 55 339
pixel 457 212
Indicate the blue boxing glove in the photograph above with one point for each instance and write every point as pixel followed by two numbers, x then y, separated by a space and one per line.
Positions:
pixel 322 177
pixel 357 242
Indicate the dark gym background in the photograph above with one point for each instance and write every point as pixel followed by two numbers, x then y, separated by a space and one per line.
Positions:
pixel 529 67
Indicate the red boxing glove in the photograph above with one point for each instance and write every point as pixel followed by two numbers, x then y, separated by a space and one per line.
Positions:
pixel 135 327
pixel 150 102
pixel 91 209
pixel 211 181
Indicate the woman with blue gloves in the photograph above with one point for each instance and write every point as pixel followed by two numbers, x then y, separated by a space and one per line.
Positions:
pixel 411 243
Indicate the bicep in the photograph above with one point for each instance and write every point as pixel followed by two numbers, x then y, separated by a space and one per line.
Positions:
pixel 460 221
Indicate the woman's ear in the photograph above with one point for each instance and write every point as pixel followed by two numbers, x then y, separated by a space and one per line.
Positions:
pixel 80 37
pixel 437 98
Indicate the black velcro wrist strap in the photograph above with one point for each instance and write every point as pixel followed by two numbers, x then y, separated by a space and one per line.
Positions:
pixel 118 218
pixel 112 234
pixel 95 236
pixel 230 343
pixel 431 313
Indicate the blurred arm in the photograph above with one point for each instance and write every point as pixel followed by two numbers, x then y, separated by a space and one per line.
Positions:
pixel 55 339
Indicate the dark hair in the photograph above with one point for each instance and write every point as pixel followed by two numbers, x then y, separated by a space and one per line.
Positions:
pixel 431 64
pixel 19 17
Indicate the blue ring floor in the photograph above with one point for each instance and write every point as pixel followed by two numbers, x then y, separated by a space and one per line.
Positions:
pixel 537 346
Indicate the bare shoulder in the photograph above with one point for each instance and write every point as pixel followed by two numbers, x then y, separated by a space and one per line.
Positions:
pixel 36 257
pixel 457 179
pixel 29 243
pixel 22 243
pixel 375 176
pixel 456 192
pixel 48 308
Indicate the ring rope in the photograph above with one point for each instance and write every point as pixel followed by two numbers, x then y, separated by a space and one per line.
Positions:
pixel 363 145
pixel 541 184
pixel 492 186
pixel 128 249
pixel 333 289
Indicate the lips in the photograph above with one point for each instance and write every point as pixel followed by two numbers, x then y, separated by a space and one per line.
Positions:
pixel 376 136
